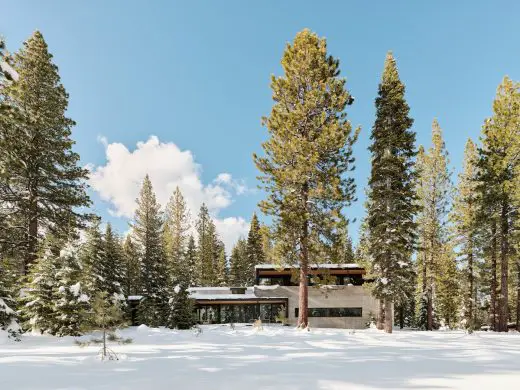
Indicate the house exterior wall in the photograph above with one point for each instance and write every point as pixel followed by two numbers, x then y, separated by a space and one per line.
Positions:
pixel 327 297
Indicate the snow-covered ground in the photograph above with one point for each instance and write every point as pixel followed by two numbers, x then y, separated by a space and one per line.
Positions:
pixel 275 358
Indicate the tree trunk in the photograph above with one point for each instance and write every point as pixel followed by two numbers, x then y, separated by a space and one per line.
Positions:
pixel 504 258
pixel 401 316
pixel 303 301
pixel 389 317
pixel 494 276
pixel 430 296
pixel 470 309
pixel 303 319
pixel 381 315
pixel 429 309
pixel 32 239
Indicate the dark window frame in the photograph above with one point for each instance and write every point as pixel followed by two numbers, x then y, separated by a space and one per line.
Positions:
pixel 332 312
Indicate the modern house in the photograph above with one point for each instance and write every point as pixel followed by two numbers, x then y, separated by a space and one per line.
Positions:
pixel 337 298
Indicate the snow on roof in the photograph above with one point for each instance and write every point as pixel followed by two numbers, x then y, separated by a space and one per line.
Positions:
pixel 324 265
pixel 216 288
pixel 230 297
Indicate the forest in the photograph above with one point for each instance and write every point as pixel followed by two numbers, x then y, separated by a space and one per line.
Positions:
pixel 440 251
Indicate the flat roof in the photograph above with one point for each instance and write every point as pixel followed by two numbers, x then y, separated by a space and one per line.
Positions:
pixel 311 266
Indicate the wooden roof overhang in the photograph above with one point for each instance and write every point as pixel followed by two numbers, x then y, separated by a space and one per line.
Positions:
pixel 247 301
pixel 269 272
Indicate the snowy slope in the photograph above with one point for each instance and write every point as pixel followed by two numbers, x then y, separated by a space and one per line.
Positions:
pixel 275 358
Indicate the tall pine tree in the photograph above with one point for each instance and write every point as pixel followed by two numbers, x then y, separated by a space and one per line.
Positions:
pixel 132 276
pixel 466 231
pixel 434 195
pixel 498 162
pixel 176 235
pixel 391 204
pixel 207 248
pixel 239 264
pixel 255 252
pixel 46 185
pixel 114 267
pixel 147 232
pixel 307 156
pixel 190 257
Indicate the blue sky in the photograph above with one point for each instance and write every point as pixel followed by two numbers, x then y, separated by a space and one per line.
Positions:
pixel 196 75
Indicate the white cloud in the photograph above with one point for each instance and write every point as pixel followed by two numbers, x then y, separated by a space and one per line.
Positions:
pixel 119 180
pixel 231 229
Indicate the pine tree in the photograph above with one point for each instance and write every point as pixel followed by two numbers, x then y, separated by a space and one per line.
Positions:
pixel 342 251
pixel 176 236
pixel 239 264
pixel 308 156
pixel 255 253
pixel 448 289
pixel 466 230
pixel 181 309
pixel 9 320
pixel 498 163
pixel 105 315
pixel 114 267
pixel 207 252
pixel 190 257
pixel 391 202
pixel 267 243
pixel 47 187
pixel 222 268
pixel 147 231
pixel 131 279
pixel 70 301
pixel 39 308
pixel 434 193
pixel 92 259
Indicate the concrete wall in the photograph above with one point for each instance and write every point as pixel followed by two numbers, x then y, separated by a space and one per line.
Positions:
pixel 327 296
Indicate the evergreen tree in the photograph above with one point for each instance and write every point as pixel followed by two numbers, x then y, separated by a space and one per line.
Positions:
pixel 147 231
pixel 466 230
pixel 46 186
pixel 131 283
pixel 267 243
pixel 498 163
pixel 39 310
pixel 105 315
pixel 239 264
pixel 207 248
pixel 92 259
pixel 190 257
pixel 181 309
pixel 342 251
pixel 434 194
pixel 222 268
pixel 114 267
pixel 255 253
pixel 447 294
pixel 307 156
pixel 392 205
pixel 176 236
pixel 70 301
pixel 9 320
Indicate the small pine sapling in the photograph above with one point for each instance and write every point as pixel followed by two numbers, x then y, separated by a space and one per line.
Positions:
pixel 107 316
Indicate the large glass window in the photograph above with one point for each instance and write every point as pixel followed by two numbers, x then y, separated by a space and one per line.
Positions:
pixel 332 312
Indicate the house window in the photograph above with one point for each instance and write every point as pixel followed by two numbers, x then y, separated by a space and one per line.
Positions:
pixel 332 312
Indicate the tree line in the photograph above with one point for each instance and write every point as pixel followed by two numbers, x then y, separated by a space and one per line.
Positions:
pixel 439 253
pixel 436 252
pixel 55 262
